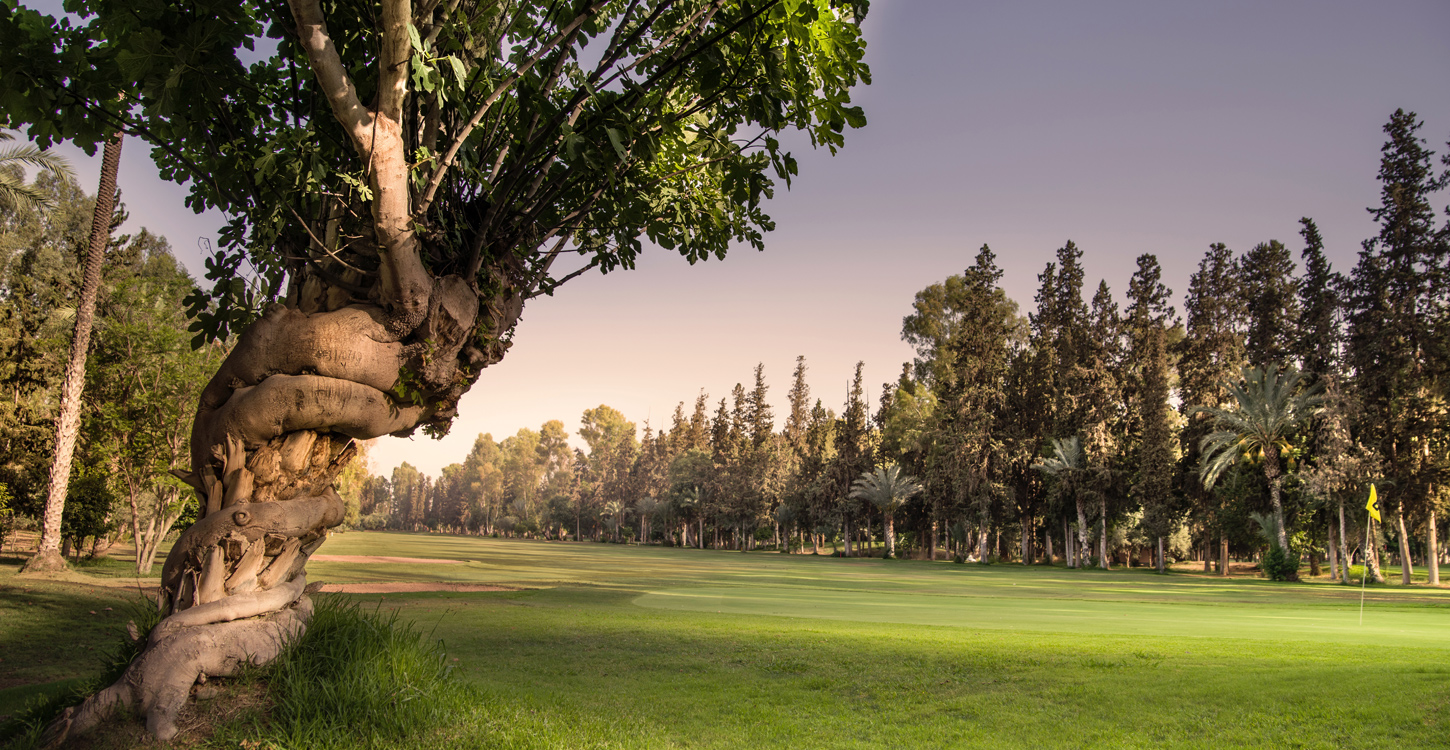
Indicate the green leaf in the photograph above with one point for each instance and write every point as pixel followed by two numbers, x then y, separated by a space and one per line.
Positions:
pixel 413 37
pixel 614 140
pixel 459 72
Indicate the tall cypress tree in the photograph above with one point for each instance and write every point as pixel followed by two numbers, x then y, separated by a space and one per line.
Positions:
pixel 1270 291
pixel 1210 354
pixel 974 395
pixel 1318 339
pixel 1149 316
pixel 1396 303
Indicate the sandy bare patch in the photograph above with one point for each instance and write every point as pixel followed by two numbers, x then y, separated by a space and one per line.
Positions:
pixel 381 559
pixel 404 587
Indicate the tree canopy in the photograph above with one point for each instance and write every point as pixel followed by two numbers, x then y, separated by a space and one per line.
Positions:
pixel 515 132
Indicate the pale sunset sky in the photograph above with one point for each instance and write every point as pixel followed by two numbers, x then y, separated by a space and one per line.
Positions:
pixel 1127 127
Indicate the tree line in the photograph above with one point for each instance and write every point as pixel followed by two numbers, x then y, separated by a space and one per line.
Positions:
pixel 1081 431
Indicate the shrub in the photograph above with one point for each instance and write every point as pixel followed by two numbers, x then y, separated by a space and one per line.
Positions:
pixel 1280 565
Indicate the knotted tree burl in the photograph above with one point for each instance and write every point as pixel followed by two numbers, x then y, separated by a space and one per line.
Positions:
pixel 400 179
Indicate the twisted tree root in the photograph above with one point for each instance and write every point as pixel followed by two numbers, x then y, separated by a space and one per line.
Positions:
pixel 273 429
pixel 159 682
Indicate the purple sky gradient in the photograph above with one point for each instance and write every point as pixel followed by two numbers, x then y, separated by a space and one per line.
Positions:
pixel 1128 127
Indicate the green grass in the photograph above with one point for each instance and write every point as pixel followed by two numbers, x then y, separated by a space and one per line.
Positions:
pixel 615 646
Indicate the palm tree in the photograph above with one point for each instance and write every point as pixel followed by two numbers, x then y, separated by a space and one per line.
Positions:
pixel 614 510
pixel 1069 466
pixel 888 489
pixel 47 556
pixel 14 193
pixel 690 502
pixel 1267 410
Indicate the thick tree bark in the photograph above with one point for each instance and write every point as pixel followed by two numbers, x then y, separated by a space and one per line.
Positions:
pixel 276 424
pixel 67 426
pixel 890 534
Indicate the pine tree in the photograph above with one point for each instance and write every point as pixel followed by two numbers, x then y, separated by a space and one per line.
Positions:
pixel 1149 316
pixel 1270 292
pixel 1211 352
pixel 800 408
pixel 1318 337
pixel 974 373
pixel 1396 346
pixel 1103 413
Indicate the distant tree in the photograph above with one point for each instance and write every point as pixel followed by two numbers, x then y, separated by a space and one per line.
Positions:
pixel 142 376
pixel 1210 353
pixel 853 455
pixel 1103 408
pixel 1149 317
pixel 1319 339
pixel 1398 338
pixel 1261 423
pixel 1270 293
pixel 1073 481
pixel 968 336
pixel 888 489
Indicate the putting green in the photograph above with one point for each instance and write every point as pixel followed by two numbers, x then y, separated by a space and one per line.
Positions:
pixel 1035 599
pixel 1384 625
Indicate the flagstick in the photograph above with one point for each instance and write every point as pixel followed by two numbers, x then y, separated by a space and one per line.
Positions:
pixel 1370 528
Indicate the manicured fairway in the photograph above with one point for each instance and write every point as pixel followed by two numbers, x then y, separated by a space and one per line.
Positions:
pixel 689 648
pixel 1006 597
pixel 614 646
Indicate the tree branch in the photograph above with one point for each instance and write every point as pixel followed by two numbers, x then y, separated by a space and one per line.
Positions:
pixel 488 102
pixel 332 76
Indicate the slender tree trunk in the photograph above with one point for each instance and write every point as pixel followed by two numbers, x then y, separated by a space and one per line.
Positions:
pixel 931 549
pixel 67 425
pixel 1082 542
pixel 1407 567
pixel 1333 555
pixel 1223 555
pixel 1432 551
pixel 1344 556
pixel 1371 554
pixel 1160 554
pixel 1026 555
pixel 890 534
pixel 1103 534
pixel 1047 539
pixel 1068 555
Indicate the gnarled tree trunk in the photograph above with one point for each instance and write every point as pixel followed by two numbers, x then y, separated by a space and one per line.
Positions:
pixel 349 356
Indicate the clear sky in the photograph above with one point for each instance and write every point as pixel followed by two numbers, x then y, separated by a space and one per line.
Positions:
pixel 1128 127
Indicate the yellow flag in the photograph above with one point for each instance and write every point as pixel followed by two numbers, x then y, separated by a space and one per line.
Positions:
pixel 1373 506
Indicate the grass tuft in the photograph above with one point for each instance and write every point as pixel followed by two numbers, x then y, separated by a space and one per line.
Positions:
pixel 357 677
